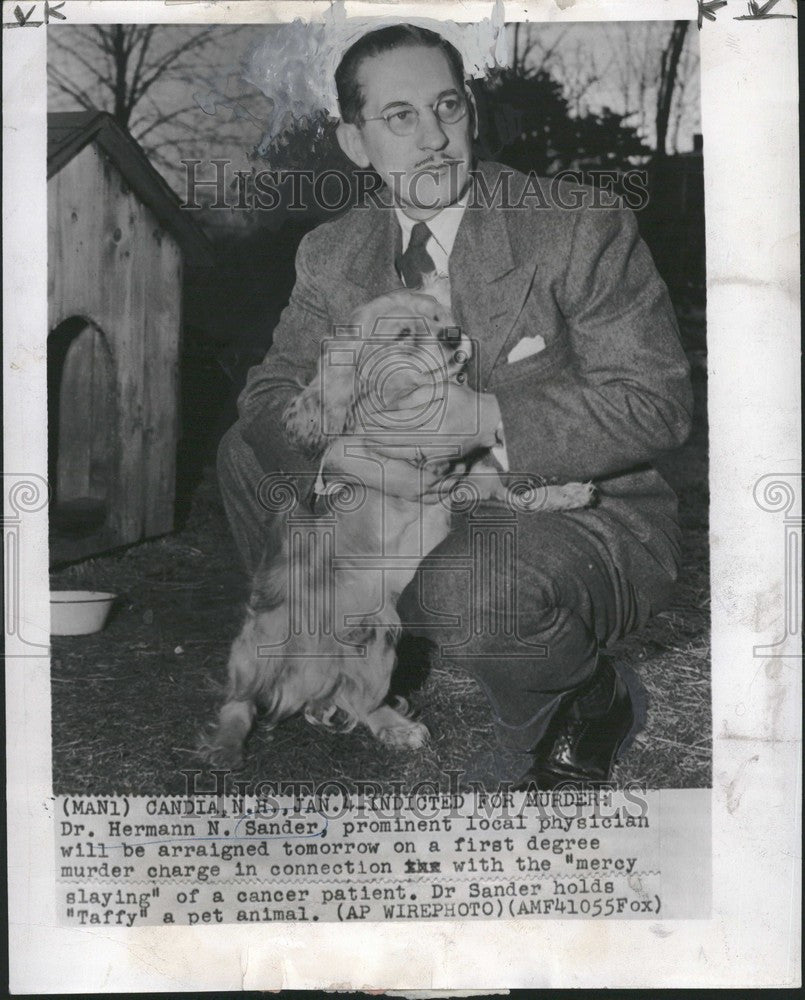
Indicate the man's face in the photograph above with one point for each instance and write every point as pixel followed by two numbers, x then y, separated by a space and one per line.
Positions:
pixel 428 169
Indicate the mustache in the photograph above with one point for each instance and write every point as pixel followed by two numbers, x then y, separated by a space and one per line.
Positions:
pixel 444 162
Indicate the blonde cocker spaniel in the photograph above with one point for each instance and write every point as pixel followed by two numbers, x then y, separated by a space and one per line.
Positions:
pixel 321 625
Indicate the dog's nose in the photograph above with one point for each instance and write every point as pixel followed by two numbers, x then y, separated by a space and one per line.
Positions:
pixel 450 335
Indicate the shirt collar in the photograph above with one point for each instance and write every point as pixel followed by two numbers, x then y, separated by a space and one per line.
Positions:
pixel 443 226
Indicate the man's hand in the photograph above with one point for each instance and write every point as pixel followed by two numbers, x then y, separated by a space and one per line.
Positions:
pixel 407 449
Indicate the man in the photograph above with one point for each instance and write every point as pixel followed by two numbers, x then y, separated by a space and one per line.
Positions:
pixel 582 377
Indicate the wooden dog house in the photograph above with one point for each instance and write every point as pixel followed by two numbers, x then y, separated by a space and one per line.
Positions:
pixel 117 242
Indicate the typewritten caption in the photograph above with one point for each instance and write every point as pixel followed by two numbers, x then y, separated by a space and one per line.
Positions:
pixel 215 859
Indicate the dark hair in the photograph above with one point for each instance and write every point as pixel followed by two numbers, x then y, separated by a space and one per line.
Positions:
pixel 397 36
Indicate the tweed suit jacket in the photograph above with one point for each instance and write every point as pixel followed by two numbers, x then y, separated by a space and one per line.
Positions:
pixel 609 392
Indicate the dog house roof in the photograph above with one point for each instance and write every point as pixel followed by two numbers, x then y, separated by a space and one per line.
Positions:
pixel 70 131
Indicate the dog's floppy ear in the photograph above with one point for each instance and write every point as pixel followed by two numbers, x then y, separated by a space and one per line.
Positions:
pixel 324 408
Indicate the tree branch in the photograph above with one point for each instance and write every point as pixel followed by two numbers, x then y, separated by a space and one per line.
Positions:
pixel 162 119
pixel 669 64
pixel 64 85
pixel 130 38
pixel 59 45
pixel 104 40
pixel 197 41
pixel 118 43
pixel 147 35
pixel 547 53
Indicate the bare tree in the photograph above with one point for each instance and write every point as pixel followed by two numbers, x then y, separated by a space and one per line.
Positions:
pixel 655 70
pixel 579 70
pixel 643 70
pixel 159 82
pixel 686 94
pixel 529 49
pixel 635 49
pixel 669 66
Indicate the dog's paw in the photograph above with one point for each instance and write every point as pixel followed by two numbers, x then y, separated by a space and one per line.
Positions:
pixel 568 496
pixel 578 494
pixel 222 755
pixel 404 733
pixel 331 717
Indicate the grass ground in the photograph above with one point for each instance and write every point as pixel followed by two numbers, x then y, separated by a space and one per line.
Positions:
pixel 128 702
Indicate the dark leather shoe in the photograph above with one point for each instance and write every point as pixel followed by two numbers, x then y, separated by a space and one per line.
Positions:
pixel 587 735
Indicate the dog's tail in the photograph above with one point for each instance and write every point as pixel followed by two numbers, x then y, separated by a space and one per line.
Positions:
pixel 270 581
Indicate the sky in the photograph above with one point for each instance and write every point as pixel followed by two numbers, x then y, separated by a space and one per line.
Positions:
pixel 615 58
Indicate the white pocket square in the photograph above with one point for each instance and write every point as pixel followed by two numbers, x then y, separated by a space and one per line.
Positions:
pixel 526 347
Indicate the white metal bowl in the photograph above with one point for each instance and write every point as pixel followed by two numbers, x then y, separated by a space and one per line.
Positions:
pixel 79 612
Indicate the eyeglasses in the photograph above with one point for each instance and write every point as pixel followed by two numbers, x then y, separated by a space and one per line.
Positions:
pixel 404 119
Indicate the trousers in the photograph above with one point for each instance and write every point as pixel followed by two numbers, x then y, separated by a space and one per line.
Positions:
pixel 522 602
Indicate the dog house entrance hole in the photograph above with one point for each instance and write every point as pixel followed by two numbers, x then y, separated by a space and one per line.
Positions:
pixel 80 427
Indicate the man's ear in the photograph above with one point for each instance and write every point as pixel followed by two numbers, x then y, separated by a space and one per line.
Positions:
pixel 473 110
pixel 351 142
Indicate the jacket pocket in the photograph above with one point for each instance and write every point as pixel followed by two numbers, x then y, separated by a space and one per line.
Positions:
pixel 554 356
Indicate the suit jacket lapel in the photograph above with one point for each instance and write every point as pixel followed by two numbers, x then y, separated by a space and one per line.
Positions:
pixel 488 284
pixel 377 242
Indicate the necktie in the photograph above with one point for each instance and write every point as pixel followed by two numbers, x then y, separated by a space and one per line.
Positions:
pixel 416 260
